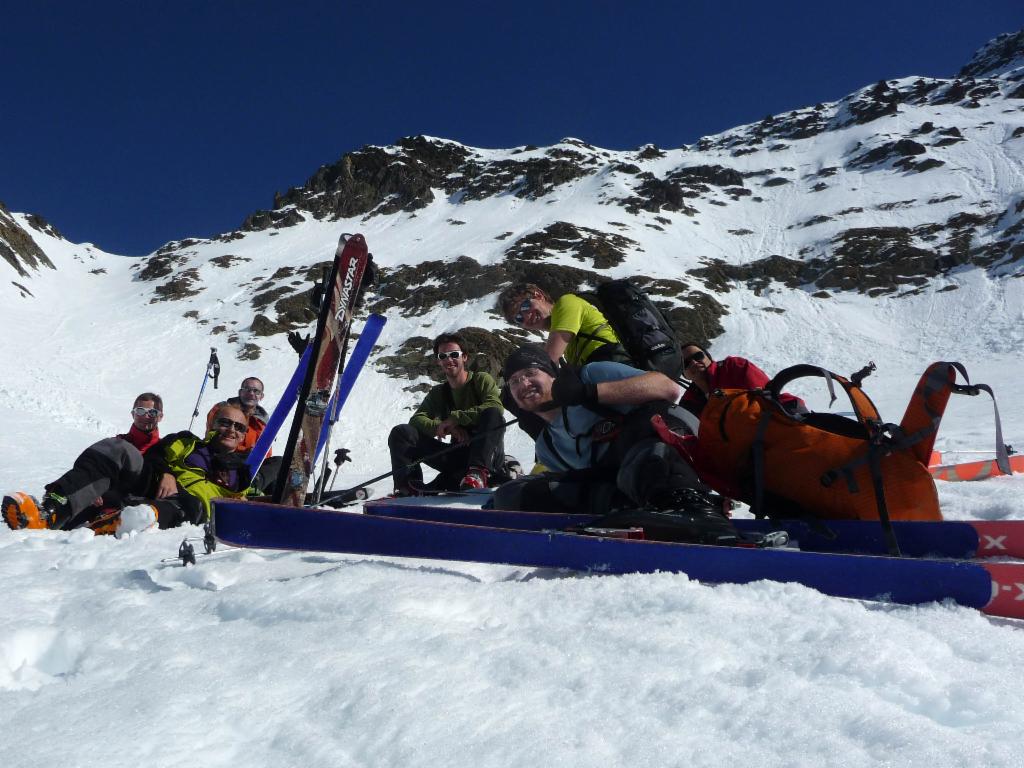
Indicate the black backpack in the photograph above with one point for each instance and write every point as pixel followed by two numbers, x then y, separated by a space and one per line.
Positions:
pixel 642 329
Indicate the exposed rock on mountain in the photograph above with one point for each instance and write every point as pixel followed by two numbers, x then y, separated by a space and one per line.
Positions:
pixel 17 247
pixel 1003 55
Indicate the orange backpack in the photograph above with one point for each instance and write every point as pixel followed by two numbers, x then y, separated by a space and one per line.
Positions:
pixel 824 465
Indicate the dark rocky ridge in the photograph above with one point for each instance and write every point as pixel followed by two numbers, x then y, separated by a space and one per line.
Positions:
pixel 997 57
pixel 18 248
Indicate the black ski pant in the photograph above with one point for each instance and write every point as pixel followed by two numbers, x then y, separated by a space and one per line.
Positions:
pixel 111 469
pixel 636 470
pixel 484 449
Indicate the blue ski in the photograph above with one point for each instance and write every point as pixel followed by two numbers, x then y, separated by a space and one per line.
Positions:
pixel 963 539
pixel 281 411
pixel 353 367
pixel 994 588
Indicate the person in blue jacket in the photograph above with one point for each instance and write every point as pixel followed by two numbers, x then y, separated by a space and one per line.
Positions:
pixel 601 451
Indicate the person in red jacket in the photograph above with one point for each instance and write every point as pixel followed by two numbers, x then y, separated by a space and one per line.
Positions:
pixel 706 375
pixel 101 477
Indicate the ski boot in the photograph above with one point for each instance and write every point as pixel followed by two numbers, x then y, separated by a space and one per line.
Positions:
pixel 685 515
pixel 22 511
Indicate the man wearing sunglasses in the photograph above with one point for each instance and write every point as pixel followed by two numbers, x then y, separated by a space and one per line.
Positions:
pixel 103 475
pixel 250 394
pixel 706 375
pixel 466 408
pixel 602 452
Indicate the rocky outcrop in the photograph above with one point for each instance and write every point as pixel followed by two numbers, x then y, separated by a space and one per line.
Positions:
pixel 1000 56
pixel 602 250
pixel 403 178
pixel 18 248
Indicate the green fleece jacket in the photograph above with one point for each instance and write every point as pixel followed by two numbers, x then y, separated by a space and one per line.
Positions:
pixel 463 404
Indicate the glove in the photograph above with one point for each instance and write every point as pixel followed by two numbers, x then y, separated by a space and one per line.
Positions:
pixel 298 341
pixel 569 389
pixel 341 456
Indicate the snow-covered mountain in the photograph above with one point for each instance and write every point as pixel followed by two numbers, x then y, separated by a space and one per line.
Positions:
pixel 886 226
pixel 901 189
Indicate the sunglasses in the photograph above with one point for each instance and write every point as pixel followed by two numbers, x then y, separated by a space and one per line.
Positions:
pixel 454 355
pixel 140 411
pixel 519 377
pixel 254 390
pixel 524 307
pixel 696 357
pixel 229 424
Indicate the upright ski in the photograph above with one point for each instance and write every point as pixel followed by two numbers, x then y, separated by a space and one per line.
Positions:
pixel 333 322
pixel 281 411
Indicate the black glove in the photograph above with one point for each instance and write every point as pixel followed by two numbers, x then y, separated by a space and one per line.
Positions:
pixel 298 341
pixel 341 456
pixel 569 389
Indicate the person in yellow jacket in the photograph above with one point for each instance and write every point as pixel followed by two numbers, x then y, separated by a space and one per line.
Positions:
pixel 576 328
pixel 203 468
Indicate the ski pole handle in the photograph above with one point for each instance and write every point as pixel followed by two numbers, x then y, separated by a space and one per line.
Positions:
pixel 213 367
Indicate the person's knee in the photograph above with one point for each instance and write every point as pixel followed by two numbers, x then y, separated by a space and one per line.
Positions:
pixel 651 469
pixel 490 418
pixel 401 436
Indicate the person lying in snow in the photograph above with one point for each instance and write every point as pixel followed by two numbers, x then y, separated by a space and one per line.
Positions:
pixel 201 469
pixel 101 478
pixel 602 454
pixel 466 404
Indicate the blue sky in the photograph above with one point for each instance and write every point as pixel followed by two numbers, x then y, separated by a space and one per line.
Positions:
pixel 132 123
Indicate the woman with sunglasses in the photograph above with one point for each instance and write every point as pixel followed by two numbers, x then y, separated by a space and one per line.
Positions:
pixel 705 376
pixel 576 328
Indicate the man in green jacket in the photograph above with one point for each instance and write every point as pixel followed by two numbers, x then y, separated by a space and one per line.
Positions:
pixel 466 408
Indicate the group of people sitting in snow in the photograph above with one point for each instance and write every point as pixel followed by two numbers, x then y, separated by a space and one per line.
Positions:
pixel 586 407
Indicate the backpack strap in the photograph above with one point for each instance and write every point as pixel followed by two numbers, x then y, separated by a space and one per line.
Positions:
pixel 863 408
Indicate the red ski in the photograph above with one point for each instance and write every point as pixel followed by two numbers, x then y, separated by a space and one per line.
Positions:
pixel 332 328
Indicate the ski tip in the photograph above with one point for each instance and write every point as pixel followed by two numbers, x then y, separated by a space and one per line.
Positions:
pixel 1007 590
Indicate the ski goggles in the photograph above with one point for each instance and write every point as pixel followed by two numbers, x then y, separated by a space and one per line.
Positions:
pixel 523 307
pixel 229 424
pixel 454 355
pixel 140 411
pixel 696 357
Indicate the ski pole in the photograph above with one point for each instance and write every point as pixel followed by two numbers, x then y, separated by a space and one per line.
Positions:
pixel 212 372
pixel 426 458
